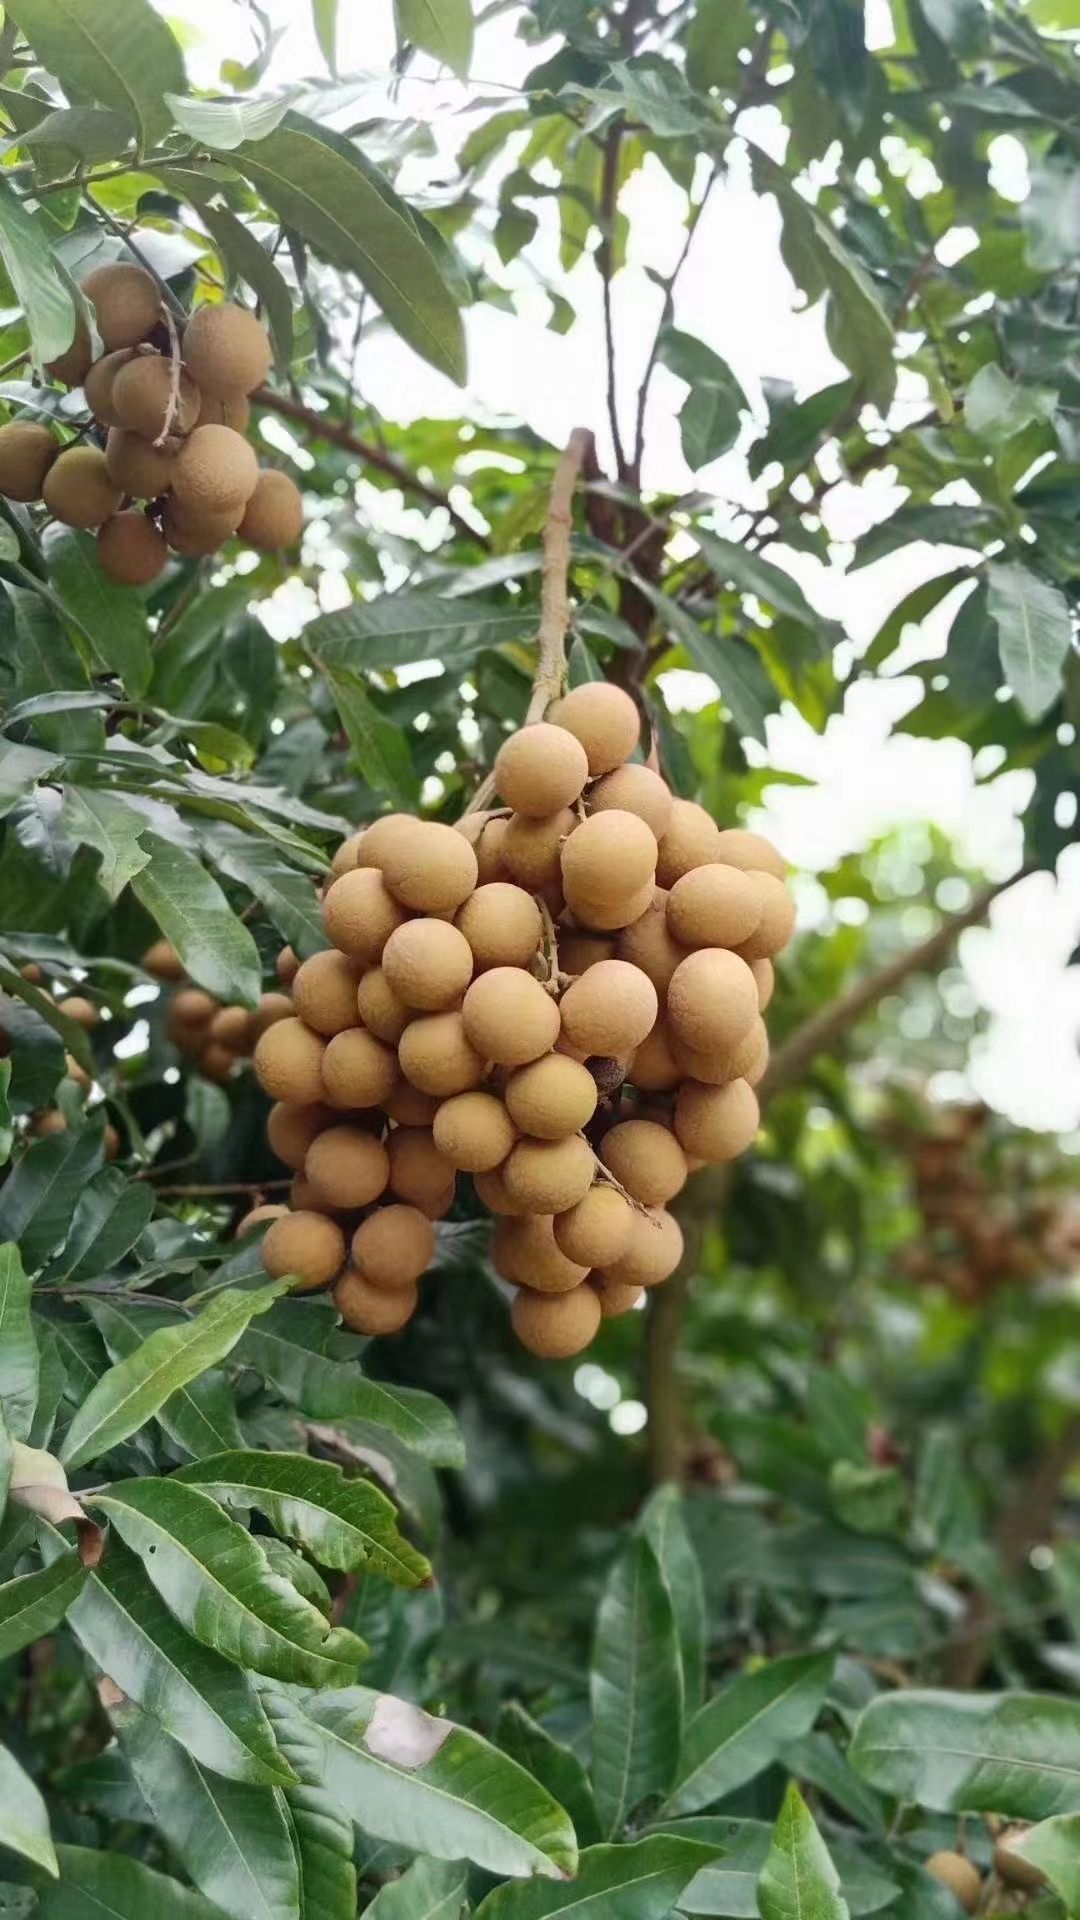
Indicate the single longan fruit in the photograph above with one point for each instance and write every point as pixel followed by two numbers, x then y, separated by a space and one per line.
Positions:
pixel 580 951
pixel 750 851
pixel 750 1059
pixel 126 303
pixel 604 719
pixel 358 1070
pixel 197 537
pixel 648 943
pixel 324 992
pixel 191 1007
pixel 232 1027
pixel 713 906
pixel 307 1244
pixel 609 857
pixel 347 1166
pixel 130 549
pixel 141 470
pixel 98 385
pixel 393 1246
pixel 218 1063
pixel 609 916
pixel 271 1007
pixel 502 925
pixel 73 1071
pixel 287 966
pixel 959 1874
pixel 258 1217
pixel 540 769
pixel 634 789
pixel 776 921
pixel 140 398
pixel 225 410
pixel 524 1252
pixel 162 961
pixel 344 859
pixel 1012 1867
pixel 716 1124
pixel 376 838
pixel 215 472
pixel 551 1097
pixel 429 867
pixel 486 843
pixel 47 1121
pixel 646 1159
pixel 288 1062
pixel 227 349
pixel 274 515
pixel 428 963
pixel 609 1010
pixel 81 1010
pixel 379 1007
pixel 437 1057
pixel 373 1310
pixel 654 1067
pixel 509 1018
pixel 765 976
pixel 474 1132
pixel 653 1253
pixel 614 1296
pixel 555 1326
pixel 77 489
pixel 32 972
pixel 359 914
pixel 712 1000
pixel 72 366
pixel 290 1130
pixel 27 451
pixel 596 1231
pixel 111 1141
pixel 419 1173
pixel 530 849
pixel 491 1192
pixel 550 1176
pixel 692 839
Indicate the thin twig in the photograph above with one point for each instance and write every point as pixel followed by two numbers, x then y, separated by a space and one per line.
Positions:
pixel 175 370
pixel 554 598
pixel 223 1190
pixel 666 315
pixel 605 260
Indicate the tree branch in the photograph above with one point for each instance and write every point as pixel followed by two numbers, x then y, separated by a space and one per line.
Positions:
pixel 666 314
pixel 605 260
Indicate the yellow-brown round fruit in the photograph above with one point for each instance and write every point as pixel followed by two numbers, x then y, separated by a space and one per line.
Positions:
pixel 226 410
pixel 437 1057
pixel 358 1070
pixel 550 1176
pixel 716 1123
pixel 98 385
pixel 609 916
pixel 524 1251
pixel 324 992
pixel 750 851
pixel 540 769
pixel 130 549
pixel 419 1173
pixel 580 951
pixel 373 1310
pixel 271 1007
pixel 556 1325
pixel 344 859
pixel 111 1141
pixel 614 1296
pixel 393 1247
pixel 27 451
pixel 474 1132
pixel 32 972
pixel 609 857
pixel 428 867
pixel 307 1244
pixel 47 1121
pixel 288 1062
pixel 765 977
pixel 492 1194
pixel 653 1253
pixel 359 914
pixel 79 1074
pixel 215 472
pixel 776 922
pixel 287 966
pixel 596 1231
pixel 648 943
pixel 199 538
pixel 77 489
pixel 750 1059
pixel 274 515
pixel 72 366
pixel 509 1018
pixel 502 925
pixel 380 1009
pixel 376 838
pixel 258 1217
pixel 142 471
pixel 218 1063
pixel 191 1007
pixel 126 303
pixel 604 719
pixel 1012 1867
pixel 81 1010
pixel 428 963
pixel 551 1097
pixel 530 849
pixel 290 1130
pixel 232 1027
pixel 227 349
pixel 692 839
pixel 713 906
pixel 347 1167
pixel 609 1010
pixel 654 1067
pixel 140 399
pixel 488 849
pixel 712 1000
pixel 634 789
pixel 959 1874
pixel 162 961
pixel 646 1159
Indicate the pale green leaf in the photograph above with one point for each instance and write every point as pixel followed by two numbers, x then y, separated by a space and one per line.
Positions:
pixel 24 1821
pixel 642 1881
pixel 443 28
pixel 1016 1754
pixel 122 55
pixel 798 1880
pixel 635 1686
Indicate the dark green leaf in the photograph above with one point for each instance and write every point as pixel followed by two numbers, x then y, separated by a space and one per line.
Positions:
pixel 428 1890
pixel 101 820
pixel 663 1523
pixel 555 1765
pixel 191 911
pixel 401 629
pixel 322 1832
pixel 709 418
pixel 200 1418
pixel 109 1216
pixel 1016 1754
pixel 245 255
pixel 639 1882
pixel 20 770
pixel 122 55
pixel 750 573
pixel 39 286
pixel 380 749
pixel 114 617
pixel 34 1603
pixel 287 896
pixel 18 1345
pixel 635 1686
pixel 94 1884
pixel 995 407
pixel 746 1727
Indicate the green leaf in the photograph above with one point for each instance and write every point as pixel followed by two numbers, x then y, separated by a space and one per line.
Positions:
pixel 868 1499
pixel 555 1765
pixel 996 408
pixel 728 660
pixel 750 573
pixel 1016 1754
pixel 322 1832
pixel 380 749
pixel 428 1890
pixel 110 1214
pixel 1034 635
pixel 122 55
pixel 20 770
pixel 214 1577
pixel 402 629
pixel 69 1031
pixel 346 1525
pixel 47 661
pixel 798 1880
pixel 18 1345
pixel 1054 1845
pixel 100 819
pixel 38 1199
pixel 34 1603
pixel 226 124
pixel 244 254
pixel 85 133
pixel 131 1392
pixel 709 418
pixel 93 1885
pixel 35 277
pixel 663 1522
pixel 324 20
pixel 24 1821
pixel 443 28
pixel 191 911
pixel 200 1418
pixel 287 896
pixel 7 1131
pixel 114 617
pixel 744 1728
pixel 323 187
pixel 642 1881
pixel 635 1686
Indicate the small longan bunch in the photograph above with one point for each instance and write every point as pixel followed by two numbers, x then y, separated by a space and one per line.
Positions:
pixel 560 999
pixel 214 1036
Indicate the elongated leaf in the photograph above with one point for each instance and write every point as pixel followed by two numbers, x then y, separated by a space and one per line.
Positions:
pixel 104 821
pixel 380 749
pixel 732 662
pixel 47 661
pixel 636 1688
pixel 288 896
pixel 639 1882
pixel 663 1523
pixel 1011 1753
pixel 39 287
pixel 443 28
pixel 66 1029
pixel 18 1346
pixel 729 1888
pixel 322 1832
pixel 122 55
pixel 1034 633
pixel 751 573
pixel 227 123
pixel 200 1418
pixel 110 1214
pixel 709 418
pixel 745 1727
pixel 34 1603
pixel 343 1524
pixel 428 1890
pixel 113 616
pixel 191 910
pixel 1054 1845
pixel 24 1822
pixel 93 1884
pixel 400 629
pixel 133 1390
pixel 245 255
pixel 798 1880
pixel 39 1195
pixel 20 770
pixel 215 1578
pixel 555 1765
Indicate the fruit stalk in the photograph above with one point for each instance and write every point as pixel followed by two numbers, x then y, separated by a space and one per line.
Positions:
pixel 175 365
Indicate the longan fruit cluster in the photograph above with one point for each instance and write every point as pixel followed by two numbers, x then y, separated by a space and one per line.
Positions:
pixel 214 1036
pixel 164 463
pixel 44 1121
pixel 561 999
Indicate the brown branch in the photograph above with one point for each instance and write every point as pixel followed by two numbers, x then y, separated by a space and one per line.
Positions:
pixel 554 597
pixel 229 1187
pixel 605 260
pixel 666 314
pixel 175 370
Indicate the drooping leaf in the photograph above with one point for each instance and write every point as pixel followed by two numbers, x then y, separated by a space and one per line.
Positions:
pixel 443 28
pixel 114 617
pixel 1054 1846
pixel 1034 634
pixel 751 573
pixel 709 418
pixel 996 408
pixel 745 1727
pixel 380 749
pixel 104 821
pixel 20 770
pixel 38 284
pixel 93 1884
pixel 33 1604
pixel 635 1686
pixel 200 1417
pixel 400 629
pixel 554 1764
pixel 428 1890
pixel 288 896
pixel 191 911
pixel 122 55
pixel 663 1523
pixel 110 1214
pixel 24 1820
pixel 642 1881
pixel 322 1832
pixel 18 1345
pixel 1016 1754
pixel 798 1880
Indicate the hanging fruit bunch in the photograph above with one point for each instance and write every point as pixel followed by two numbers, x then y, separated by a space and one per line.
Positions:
pixel 214 1036
pixel 163 462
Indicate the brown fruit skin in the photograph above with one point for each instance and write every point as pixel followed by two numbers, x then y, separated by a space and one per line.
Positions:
pixel 360 914
pixel 596 1231
pixel 288 1063
pixel 508 1017
pixel 556 1326
pixel 604 719
pixel 393 1247
pixel 550 1176
pixel 646 1159
pixel 271 1008
pixel 711 1000
pixel 376 838
pixel 274 516
pixel 1011 1867
pixel 232 1027
pixel 382 1013
pixel 137 468
pixel 692 840
pixel 191 1007
pixel 141 395
pixel 713 906
pixel 654 1067
pixel 653 1253
pixel 634 789
pixel 126 303
pixel 959 1874
pixel 81 1010
pixel 610 1010
pixel 162 961
pixel 47 1121
pixel 580 951
pixel 540 769
pixel 225 410
pixel 98 385
pixel 72 366
pixel 286 966
pixel 530 849
pixel 196 537
pixel 218 1063
pixel 344 860
pixel 609 917
pixel 716 1124
pixel 551 1097
pixel 437 1057
pixel 765 976
pixel 502 925
pixel 615 1298
pixel 524 1251
pixel 474 1132
pixel 130 549
pixel 419 1173
pixel 227 349
pixel 648 943
pixel 409 1107
pixel 373 1310
pixel 347 1167
pixel 752 852
pixel 257 1218
pixel 215 472
pixel 491 1192
pixel 428 964
pixel 488 850
pixel 776 923
pixel 429 867
pixel 27 451
pixel 324 992
pixel 357 1070
pixel 77 489
pixel 74 1072
pixel 609 858
pixel 290 1130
